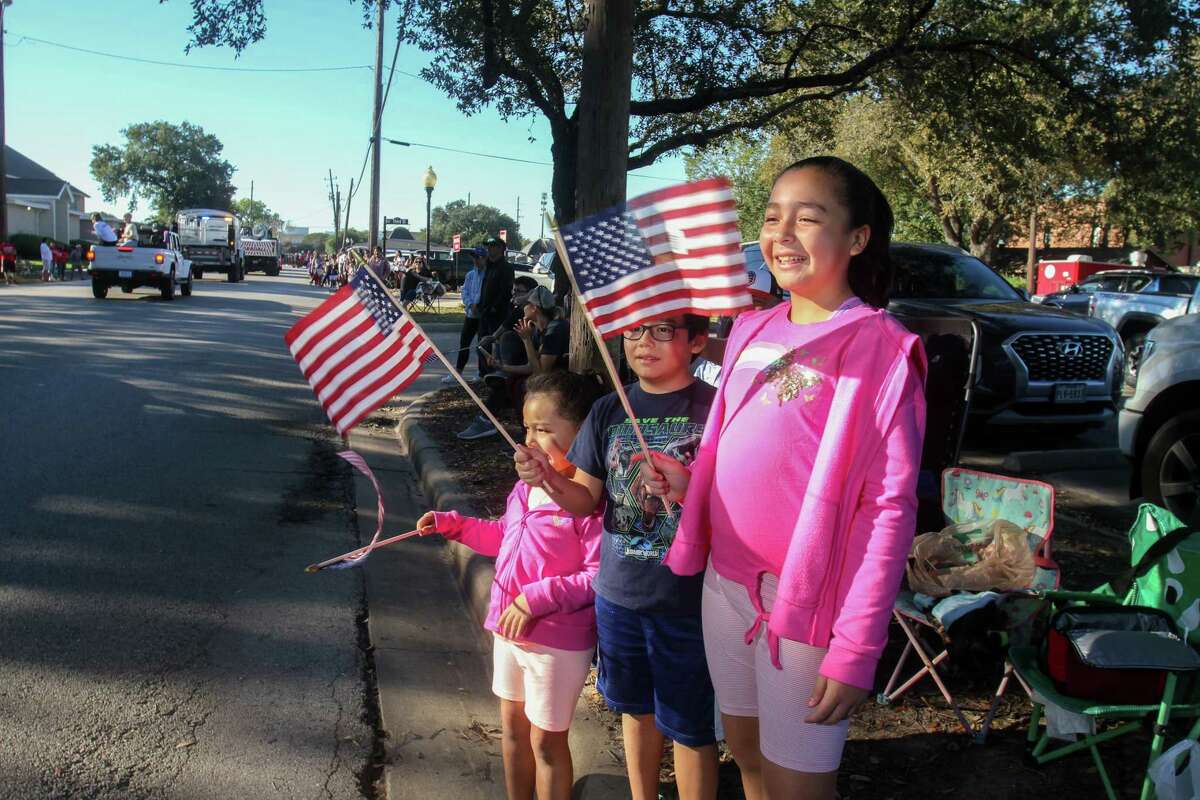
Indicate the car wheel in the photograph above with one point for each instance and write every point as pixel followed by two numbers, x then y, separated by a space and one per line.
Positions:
pixel 99 290
pixel 185 288
pixel 232 274
pixel 1134 345
pixel 1171 467
pixel 167 288
pixel 199 274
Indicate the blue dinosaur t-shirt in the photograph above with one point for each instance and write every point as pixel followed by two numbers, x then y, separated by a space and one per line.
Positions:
pixel 637 530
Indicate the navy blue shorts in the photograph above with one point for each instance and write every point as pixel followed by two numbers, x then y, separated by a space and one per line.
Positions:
pixel 655 664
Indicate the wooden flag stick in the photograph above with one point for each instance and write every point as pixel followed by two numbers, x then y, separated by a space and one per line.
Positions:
pixel 362 551
pixel 461 380
pixel 604 354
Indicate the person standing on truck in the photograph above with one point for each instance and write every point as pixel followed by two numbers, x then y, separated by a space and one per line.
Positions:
pixel 104 231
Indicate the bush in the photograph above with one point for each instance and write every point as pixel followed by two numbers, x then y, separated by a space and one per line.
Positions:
pixel 28 245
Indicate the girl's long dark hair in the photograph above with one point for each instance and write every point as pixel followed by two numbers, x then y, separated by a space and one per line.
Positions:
pixel 870 273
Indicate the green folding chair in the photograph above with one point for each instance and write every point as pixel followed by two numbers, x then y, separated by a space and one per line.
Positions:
pixel 1166 576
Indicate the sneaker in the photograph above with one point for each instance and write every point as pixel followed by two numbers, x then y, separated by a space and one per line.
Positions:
pixel 478 429
pixel 448 380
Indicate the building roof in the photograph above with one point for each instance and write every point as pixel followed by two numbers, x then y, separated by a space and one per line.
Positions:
pixel 26 176
pixel 36 187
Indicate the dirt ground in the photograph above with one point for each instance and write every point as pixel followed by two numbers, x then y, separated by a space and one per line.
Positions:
pixel 914 748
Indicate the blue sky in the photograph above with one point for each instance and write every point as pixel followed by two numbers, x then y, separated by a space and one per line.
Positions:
pixel 284 131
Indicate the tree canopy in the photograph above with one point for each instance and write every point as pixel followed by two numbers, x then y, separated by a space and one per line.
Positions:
pixel 255 212
pixel 475 222
pixel 704 70
pixel 171 166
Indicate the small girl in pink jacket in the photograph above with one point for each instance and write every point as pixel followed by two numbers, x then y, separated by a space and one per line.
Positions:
pixel 801 501
pixel 541 610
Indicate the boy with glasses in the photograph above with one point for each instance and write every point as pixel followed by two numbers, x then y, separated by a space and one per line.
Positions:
pixel 652 663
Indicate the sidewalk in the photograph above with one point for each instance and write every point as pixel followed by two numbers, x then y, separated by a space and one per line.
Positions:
pixel 426 600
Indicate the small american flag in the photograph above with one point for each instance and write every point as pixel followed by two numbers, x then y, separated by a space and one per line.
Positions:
pixel 673 251
pixel 357 349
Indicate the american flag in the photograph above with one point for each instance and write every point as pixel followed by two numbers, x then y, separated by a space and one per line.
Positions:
pixel 357 349
pixel 673 251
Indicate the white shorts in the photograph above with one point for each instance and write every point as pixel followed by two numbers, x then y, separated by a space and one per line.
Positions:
pixel 748 685
pixel 547 680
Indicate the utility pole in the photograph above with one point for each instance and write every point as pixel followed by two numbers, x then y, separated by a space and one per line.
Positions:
pixel 337 213
pixel 333 203
pixel 543 216
pixel 373 227
pixel 518 213
pixel 349 198
pixel 3 165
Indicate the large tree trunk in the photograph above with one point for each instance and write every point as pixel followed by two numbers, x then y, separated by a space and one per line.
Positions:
pixel 603 143
pixel 1031 256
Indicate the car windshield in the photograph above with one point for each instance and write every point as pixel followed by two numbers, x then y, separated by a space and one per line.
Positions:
pixel 938 274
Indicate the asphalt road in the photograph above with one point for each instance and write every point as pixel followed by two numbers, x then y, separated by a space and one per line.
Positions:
pixel 167 476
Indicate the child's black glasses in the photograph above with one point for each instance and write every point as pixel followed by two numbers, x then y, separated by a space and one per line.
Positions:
pixel 659 332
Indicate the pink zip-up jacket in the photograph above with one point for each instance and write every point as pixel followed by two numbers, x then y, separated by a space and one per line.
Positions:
pixel 851 539
pixel 545 553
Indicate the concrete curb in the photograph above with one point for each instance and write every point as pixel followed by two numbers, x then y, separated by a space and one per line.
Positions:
pixel 599 776
pixel 472 572
pixel 1042 461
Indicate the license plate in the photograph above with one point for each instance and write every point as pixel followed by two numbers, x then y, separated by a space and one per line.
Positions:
pixel 1070 392
pixel 125 273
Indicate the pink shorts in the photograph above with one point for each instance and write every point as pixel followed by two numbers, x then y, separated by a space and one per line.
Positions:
pixel 748 685
pixel 547 680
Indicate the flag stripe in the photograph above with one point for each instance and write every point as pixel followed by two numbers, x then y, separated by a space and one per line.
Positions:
pixel 363 373
pixel 315 322
pixel 671 251
pixel 671 192
pixel 648 308
pixel 366 353
pixel 357 349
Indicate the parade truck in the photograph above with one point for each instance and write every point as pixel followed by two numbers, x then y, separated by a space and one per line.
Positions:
pixel 262 251
pixel 155 260
pixel 212 241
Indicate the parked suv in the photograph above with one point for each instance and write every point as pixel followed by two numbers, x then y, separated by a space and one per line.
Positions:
pixel 1078 298
pixel 1159 427
pixel 1038 366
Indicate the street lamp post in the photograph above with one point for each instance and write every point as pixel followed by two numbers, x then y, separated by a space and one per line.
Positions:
pixel 430 182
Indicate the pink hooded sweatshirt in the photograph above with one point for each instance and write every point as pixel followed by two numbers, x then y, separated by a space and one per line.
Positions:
pixel 545 553
pixel 856 523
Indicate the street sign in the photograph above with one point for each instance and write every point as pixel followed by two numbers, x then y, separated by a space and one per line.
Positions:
pixel 457 242
pixel 504 234
pixel 395 220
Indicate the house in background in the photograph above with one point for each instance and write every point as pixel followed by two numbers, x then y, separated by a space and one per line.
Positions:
pixel 291 235
pixel 41 203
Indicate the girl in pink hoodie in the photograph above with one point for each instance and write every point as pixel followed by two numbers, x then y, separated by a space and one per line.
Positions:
pixel 541 609
pixel 802 496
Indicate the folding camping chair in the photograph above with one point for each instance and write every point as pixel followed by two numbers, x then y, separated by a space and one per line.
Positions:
pixel 1160 580
pixel 973 496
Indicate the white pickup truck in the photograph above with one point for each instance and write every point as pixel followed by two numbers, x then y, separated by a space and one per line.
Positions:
pixel 155 261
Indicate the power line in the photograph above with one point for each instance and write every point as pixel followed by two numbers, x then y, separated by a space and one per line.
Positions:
pixel 182 65
pixel 510 158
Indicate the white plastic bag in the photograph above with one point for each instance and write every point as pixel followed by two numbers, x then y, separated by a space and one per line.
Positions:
pixel 1172 782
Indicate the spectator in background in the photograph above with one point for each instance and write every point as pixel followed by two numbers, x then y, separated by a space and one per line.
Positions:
pixel 61 254
pixel 496 292
pixel 470 300
pixel 103 230
pixel 47 259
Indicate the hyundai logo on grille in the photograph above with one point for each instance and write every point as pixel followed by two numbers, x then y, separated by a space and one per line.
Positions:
pixel 1071 349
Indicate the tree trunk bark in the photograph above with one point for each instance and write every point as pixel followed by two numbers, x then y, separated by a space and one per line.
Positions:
pixel 1031 257
pixel 603 143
